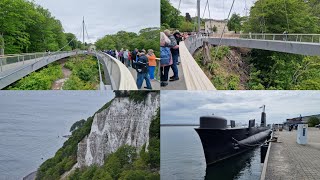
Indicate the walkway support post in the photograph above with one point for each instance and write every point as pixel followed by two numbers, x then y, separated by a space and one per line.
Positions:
pixel 199 20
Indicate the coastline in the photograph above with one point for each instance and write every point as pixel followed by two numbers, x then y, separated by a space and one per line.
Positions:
pixel 31 176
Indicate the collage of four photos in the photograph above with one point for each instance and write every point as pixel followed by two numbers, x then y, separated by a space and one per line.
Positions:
pixel 160 89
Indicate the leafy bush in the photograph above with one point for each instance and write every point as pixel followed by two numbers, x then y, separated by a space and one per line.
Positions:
pixel 39 80
pixel 313 121
pixel 85 73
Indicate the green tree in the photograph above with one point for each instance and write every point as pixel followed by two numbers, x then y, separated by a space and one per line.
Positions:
pixel 234 24
pixel 170 15
pixel 313 121
pixel 270 16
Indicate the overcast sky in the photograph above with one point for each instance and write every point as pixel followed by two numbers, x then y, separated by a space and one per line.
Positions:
pixel 187 106
pixel 104 16
pixel 219 9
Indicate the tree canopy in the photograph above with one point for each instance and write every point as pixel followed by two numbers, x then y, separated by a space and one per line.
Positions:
pixel 234 24
pixel 270 16
pixel 27 27
pixel 148 38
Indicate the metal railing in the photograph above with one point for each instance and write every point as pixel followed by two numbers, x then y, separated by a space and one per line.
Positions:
pixel 15 60
pixel 22 68
pixel 119 75
pixel 309 38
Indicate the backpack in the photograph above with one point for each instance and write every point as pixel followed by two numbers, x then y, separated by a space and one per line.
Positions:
pixel 165 55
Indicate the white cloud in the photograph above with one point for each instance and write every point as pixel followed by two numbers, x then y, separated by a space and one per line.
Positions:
pixel 188 106
pixel 104 17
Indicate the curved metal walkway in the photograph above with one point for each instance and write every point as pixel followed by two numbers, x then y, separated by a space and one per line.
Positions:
pixel 15 67
pixel 195 78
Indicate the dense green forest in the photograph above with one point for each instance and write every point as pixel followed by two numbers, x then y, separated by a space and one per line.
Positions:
pixel 266 69
pixel 39 80
pixel 148 38
pixel 85 73
pixel 125 163
pixel 84 76
pixel 26 27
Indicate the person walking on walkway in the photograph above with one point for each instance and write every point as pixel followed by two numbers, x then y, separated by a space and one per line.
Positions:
pixel 121 55
pixel 126 57
pixel 129 59
pixel 165 59
pixel 142 68
pixel 152 63
pixel 117 54
pixel 178 38
pixel 134 56
pixel 175 55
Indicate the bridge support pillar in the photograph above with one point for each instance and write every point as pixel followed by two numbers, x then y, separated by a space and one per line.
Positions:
pixel 206 53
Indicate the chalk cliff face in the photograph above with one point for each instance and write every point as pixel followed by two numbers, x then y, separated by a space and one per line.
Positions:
pixel 124 122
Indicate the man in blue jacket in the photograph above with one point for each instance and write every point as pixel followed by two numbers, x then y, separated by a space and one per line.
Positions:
pixel 142 68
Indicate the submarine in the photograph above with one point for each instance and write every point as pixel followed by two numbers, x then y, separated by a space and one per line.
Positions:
pixel 221 142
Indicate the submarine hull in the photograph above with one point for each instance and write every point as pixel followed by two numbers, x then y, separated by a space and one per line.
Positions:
pixel 220 144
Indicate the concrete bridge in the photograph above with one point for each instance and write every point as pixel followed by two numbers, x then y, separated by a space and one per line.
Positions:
pixel 192 76
pixel 15 67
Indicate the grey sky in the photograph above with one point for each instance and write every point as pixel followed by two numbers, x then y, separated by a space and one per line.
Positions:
pixel 104 16
pixel 188 106
pixel 219 8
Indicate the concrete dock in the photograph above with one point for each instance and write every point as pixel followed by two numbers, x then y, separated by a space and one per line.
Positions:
pixel 288 160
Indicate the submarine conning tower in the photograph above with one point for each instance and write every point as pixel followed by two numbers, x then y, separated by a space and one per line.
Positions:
pixel 263 117
pixel 213 122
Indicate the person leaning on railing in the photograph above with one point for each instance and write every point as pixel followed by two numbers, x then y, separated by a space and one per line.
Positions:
pixel 142 68
pixel 152 63
pixel 165 59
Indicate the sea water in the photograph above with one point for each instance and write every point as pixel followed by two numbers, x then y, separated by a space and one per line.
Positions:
pixel 32 124
pixel 182 157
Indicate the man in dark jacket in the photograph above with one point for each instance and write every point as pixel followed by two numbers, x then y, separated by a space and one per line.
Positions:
pixel 175 55
pixel 134 56
pixel 142 68
pixel 178 38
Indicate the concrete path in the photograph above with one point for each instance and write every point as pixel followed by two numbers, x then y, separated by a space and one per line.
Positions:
pixel 289 160
pixel 176 85
pixel 155 84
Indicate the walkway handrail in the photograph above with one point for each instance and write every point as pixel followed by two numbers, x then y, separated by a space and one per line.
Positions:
pixel 195 78
pixel 120 76
pixel 309 38
pixel 38 63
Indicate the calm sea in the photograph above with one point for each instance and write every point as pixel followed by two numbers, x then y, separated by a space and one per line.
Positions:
pixel 182 158
pixel 32 124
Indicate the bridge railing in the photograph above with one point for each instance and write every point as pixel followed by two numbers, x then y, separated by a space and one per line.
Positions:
pixel 195 78
pixel 16 60
pixel 120 77
pixel 19 70
pixel 309 38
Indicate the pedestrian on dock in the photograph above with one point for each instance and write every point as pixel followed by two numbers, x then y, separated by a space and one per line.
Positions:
pixel 142 68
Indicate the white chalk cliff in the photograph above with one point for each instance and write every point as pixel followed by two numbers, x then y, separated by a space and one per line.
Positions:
pixel 123 122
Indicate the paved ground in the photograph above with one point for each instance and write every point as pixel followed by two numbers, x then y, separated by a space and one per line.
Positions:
pixel 155 84
pixel 289 160
pixel 176 85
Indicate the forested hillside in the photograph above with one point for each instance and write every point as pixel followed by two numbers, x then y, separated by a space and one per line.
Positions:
pixel 27 27
pixel 148 38
pixel 260 69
